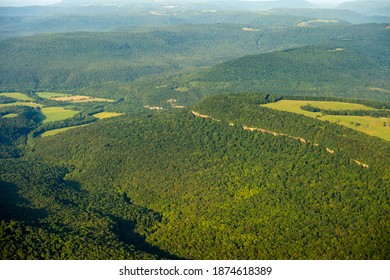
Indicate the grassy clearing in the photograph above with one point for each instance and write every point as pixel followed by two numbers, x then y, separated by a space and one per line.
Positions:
pixel 49 95
pixel 182 89
pixel 309 22
pixel 295 106
pixel 10 116
pixel 80 98
pixel 64 97
pixel 369 125
pixel 59 130
pixel 17 95
pixel 105 115
pixel 57 114
pixel 30 104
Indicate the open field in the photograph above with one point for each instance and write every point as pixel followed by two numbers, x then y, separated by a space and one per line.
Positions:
pixel 59 130
pixel 369 125
pixel 105 115
pixel 57 114
pixel 313 21
pixel 80 98
pixel 10 116
pixel 294 106
pixel 30 104
pixel 64 97
pixel 102 115
pixel 182 89
pixel 50 95
pixel 17 95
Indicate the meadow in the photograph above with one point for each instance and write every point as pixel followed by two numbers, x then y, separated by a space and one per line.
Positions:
pixel 17 95
pixel 10 116
pixel 59 130
pixel 366 124
pixel 53 114
pixel 100 116
pixel 29 104
pixel 49 95
pixel 63 97
pixel 80 98
pixel 105 115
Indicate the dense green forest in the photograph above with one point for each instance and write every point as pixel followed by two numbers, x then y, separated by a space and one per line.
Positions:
pixel 194 167
pixel 168 179
pixel 146 67
pixel 227 193
pixel 346 71
pixel 45 217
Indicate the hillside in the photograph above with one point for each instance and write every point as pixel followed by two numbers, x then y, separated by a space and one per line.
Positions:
pixel 148 131
pixel 44 217
pixel 224 192
pixel 368 7
pixel 146 67
pixel 341 69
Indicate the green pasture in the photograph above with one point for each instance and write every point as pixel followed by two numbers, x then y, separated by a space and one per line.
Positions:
pixel 49 95
pixel 30 104
pixel 105 115
pixel 366 124
pixel 17 95
pixel 53 114
pixel 10 116
pixel 59 130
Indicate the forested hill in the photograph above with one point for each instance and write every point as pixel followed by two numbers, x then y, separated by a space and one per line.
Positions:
pixel 45 217
pixel 146 67
pixel 229 193
pixel 341 69
pixel 165 167
pixel 71 61
pixel 22 21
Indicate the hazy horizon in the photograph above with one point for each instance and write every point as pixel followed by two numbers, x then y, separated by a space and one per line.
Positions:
pixel 21 3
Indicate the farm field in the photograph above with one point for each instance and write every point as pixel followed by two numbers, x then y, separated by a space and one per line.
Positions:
pixel 59 130
pixel 17 95
pixel 369 125
pixel 29 104
pixel 10 116
pixel 102 115
pixel 105 115
pixel 64 97
pixel 49 95
pixel 57 114
pixel 80 98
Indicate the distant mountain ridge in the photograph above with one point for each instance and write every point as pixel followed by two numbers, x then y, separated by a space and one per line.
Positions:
pixel 197 4
pixel 379 8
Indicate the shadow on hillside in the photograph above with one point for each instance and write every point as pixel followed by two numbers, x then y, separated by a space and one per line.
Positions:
pixel 11 205
pixel 126 233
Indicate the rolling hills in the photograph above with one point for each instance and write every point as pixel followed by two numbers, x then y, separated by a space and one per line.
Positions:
pixel 327 71
pixel 145 67
pixel 208 140
pixel 227 193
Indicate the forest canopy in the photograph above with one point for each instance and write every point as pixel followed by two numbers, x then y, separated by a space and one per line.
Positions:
pixel 160 141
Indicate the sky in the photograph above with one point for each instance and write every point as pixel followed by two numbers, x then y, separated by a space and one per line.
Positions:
pixel 48 2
